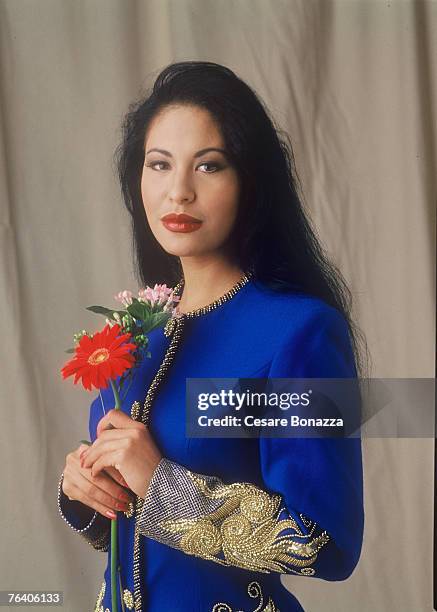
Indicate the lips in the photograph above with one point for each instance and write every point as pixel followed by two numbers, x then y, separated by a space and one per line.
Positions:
pixel 180 218
pixel 181 223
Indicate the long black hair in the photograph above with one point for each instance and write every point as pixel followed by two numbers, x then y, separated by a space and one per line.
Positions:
pixel 272 234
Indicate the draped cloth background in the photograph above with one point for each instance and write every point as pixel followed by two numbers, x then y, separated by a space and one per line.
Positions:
pixel 351 81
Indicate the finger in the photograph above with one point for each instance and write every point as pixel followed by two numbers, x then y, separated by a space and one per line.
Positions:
pixel 105 436
pixel 108 485
pixel 118 419
pixel 110 459
pixel 73 457
pixel 73 474
pixel 97 451
pixel 81 449
pixel 112 434
pixel 99 491
pixel 104 482
pixel 116 476
pixel 93 496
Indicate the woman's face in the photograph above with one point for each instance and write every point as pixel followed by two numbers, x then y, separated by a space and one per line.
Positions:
pixel 182 175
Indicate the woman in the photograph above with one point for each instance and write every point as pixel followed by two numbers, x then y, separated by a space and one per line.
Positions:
pixel 211 524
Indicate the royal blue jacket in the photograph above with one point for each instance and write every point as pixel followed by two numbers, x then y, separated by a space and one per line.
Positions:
pixel 223 518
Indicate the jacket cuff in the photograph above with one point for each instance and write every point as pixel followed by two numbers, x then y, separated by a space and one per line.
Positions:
pixel 237 524
pixel 92 526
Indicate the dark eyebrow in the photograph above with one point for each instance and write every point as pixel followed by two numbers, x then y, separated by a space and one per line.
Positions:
pixel 198 154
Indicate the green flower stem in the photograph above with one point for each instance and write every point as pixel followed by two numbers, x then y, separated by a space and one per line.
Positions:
pixel 114 541
pixel 116 395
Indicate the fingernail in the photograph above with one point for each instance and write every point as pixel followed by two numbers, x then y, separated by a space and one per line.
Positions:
pixel 111 514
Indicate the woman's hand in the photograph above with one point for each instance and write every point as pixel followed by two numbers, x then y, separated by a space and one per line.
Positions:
pixel 103 492
pixel 129 448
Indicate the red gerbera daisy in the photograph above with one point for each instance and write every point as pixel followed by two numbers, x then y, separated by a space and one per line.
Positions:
pixel 100 358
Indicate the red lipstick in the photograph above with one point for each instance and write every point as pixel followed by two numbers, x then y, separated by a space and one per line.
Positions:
pixel 181 223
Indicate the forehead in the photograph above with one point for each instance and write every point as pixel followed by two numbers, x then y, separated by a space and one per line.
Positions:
pixel 180 124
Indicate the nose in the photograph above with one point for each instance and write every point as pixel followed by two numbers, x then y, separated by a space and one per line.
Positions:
pixel 181 190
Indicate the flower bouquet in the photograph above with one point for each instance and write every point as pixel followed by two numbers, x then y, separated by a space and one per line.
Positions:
pixel 113 354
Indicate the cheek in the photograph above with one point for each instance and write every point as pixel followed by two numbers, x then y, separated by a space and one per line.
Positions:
pixel 221 221
pixel 147 198
pixel 226 207
pixel 230 213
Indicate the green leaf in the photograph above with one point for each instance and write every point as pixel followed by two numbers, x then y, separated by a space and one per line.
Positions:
pixel 139 310
pixel 85 442
pixel 159 319
pixel 105 311
pixel 70 350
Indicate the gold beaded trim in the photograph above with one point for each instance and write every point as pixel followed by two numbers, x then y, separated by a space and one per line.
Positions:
pixel 174 328
pixel 100 597
pixel 128 599
pixel 168 358
pixel 216 303
pixel 307 571
pixel 135 410
pixel 139 501
pixel 130 510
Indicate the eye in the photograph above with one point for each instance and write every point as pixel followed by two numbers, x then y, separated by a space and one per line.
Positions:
pixel 160 165
pixel 215 167
pixel 156 163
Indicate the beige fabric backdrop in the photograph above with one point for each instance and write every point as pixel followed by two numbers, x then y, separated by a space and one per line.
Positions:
pixel 351 81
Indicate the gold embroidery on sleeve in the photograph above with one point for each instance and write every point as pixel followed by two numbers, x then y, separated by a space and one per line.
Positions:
pixel 254 590
pixel 246 528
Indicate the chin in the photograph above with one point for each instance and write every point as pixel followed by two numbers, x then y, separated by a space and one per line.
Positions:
pixel 187 249
pixel 181 245
pixel 186 245
pixel 184 252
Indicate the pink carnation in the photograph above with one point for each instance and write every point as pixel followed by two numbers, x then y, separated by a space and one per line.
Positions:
pixel 125 297
pixel 160 295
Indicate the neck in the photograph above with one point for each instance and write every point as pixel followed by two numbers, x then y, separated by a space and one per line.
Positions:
pixel 206 279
